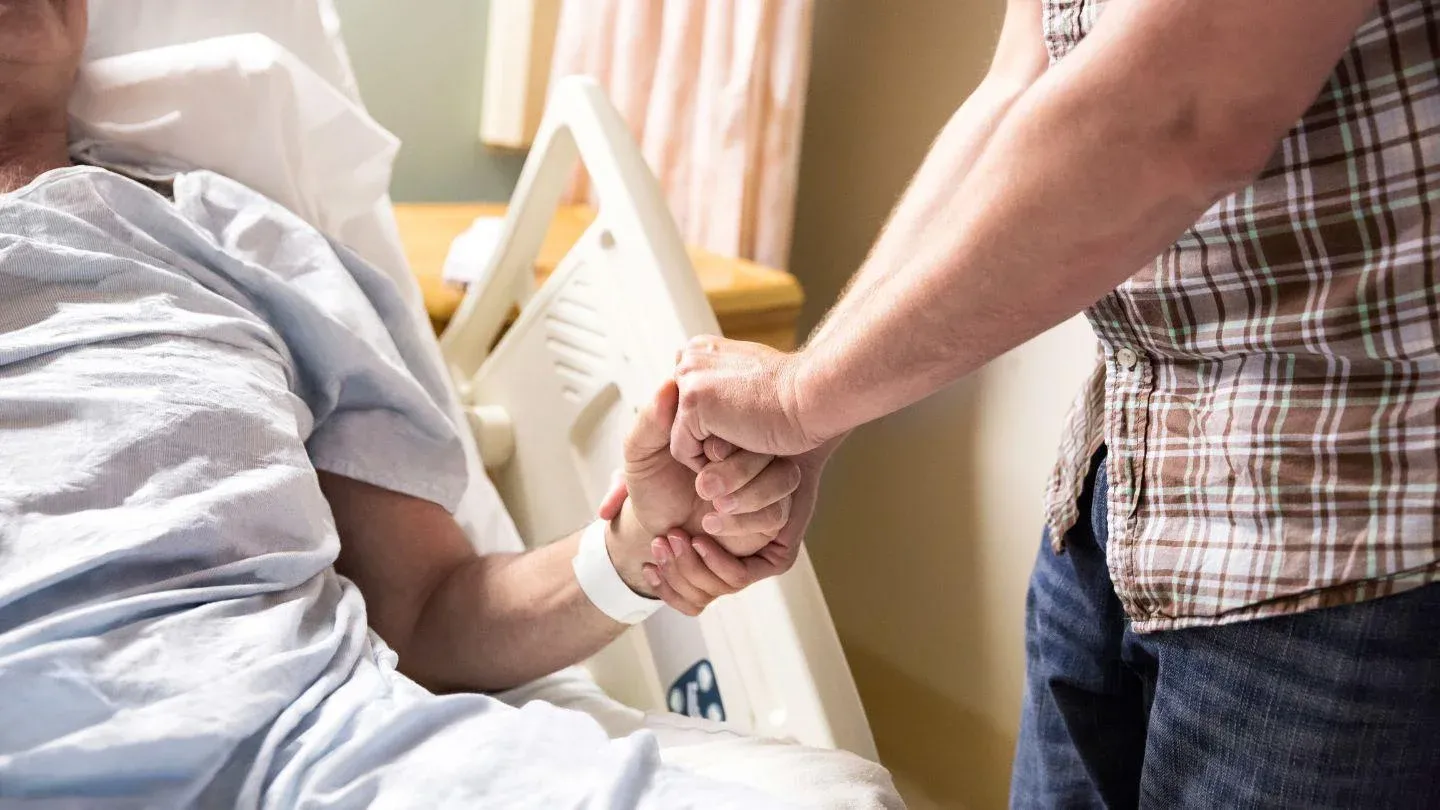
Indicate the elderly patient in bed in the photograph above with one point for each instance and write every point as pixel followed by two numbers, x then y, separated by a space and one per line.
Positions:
pixel 219 471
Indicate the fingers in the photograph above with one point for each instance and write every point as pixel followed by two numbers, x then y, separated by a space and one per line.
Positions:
pixel 673 588
pixel 766 523
pixel 686 442
pixel 778 554
pixel 717 449
pixel 651 432
pixel 770 561
pixel 687 436
pixel 779 479
pixel 729 474
pixel 685 571
pixel 695 572
pixel 722 564
pixel 666 594
pixel 802 507
pixel 762 505
pixel 742 572
pixel 614 499
pixel 702 571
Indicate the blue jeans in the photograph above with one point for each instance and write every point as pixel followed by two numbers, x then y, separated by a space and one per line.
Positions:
pixel 1331 708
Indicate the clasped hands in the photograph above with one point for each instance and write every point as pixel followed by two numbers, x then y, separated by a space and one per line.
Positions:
pixel 721 471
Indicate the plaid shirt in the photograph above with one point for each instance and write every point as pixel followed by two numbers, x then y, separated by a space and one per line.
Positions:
pixel 1269 387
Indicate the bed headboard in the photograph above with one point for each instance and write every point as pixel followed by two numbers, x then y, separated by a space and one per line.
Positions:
pixel 556 395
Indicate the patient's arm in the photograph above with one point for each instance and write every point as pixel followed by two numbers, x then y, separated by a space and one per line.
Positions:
pixel 462 621
pixel 459 620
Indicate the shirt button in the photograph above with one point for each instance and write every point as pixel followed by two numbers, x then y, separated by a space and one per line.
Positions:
pixel 1127 358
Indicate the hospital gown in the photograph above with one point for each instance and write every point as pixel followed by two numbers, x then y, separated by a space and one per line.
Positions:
pixel 172 632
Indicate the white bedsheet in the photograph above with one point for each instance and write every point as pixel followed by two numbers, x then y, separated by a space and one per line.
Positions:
pixel 804 776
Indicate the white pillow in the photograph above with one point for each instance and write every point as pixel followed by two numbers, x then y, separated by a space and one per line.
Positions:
pixel 309 29
pixel 246 108
pixel 204 104
pixel 289 126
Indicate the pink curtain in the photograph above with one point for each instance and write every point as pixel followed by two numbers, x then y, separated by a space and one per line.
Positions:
pixel 714 91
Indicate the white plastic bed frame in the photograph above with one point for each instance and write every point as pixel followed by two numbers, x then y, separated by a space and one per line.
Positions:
pixel 551 402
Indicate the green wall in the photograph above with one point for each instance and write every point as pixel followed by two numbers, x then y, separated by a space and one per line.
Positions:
pixel 420 66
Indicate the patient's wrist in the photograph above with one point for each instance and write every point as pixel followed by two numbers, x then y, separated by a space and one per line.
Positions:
pixel 629 546
pixel 598 575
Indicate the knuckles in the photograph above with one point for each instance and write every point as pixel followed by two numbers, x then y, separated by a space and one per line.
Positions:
pixel 692 395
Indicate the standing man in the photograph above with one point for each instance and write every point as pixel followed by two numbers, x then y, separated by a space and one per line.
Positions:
pixel 1235 602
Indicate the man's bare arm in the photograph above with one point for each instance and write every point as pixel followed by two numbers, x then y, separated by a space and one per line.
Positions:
pixel 462 621
pixel 1020 59
pixel 1164 109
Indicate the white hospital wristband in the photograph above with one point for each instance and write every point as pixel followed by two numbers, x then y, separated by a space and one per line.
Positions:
pixel 602 583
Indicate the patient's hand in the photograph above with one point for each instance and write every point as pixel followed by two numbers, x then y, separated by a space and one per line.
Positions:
pixel 662 492
pixel 689 573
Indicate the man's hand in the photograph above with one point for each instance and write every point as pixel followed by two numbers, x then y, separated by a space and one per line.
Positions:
pixel 662 494
pixel 690 573
pixel 744 393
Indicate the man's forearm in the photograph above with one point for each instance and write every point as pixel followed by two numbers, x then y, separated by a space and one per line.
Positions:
pixel 950 159
pixel 989 256
pixel 1093 172
pixel 1019 60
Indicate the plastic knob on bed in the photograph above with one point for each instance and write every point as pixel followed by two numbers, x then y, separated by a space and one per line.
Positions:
pixel 494 433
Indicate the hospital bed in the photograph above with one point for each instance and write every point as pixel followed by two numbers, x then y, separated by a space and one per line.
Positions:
pixel 262 91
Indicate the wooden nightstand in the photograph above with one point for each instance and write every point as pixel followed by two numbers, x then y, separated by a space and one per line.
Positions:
pixel 752 302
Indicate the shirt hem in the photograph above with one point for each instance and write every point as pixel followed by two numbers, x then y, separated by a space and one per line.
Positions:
pixel 1348 593
pixel 445 496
